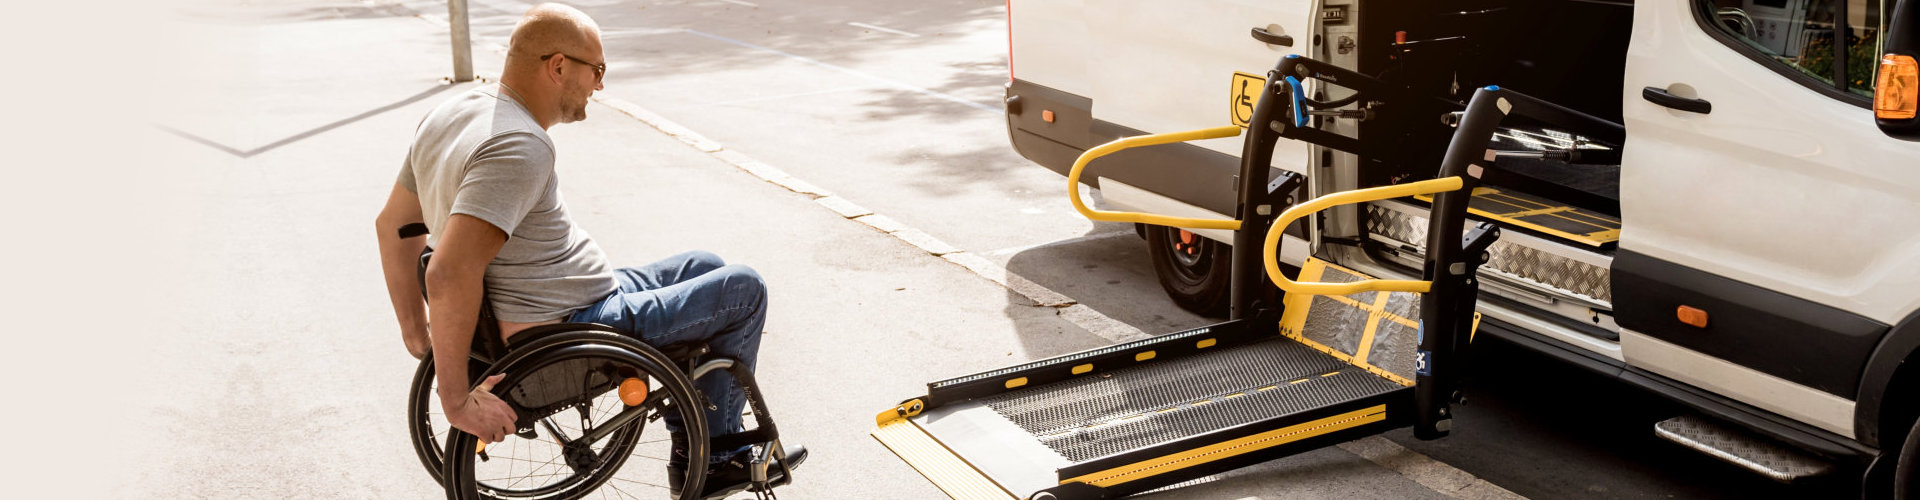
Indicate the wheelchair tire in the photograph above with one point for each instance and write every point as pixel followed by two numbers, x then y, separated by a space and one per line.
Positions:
pixel 426 426
pixel 593 356
pixel 421 414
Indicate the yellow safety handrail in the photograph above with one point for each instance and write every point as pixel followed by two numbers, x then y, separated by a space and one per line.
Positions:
pixel 1355 196
pixel 1073 179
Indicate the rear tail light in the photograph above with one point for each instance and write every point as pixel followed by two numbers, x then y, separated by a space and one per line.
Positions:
pixel 1009 41
pixel 1897 91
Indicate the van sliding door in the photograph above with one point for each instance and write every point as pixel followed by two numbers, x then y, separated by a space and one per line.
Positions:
pixel 1755 188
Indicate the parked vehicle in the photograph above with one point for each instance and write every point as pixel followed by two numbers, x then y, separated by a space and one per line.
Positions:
pixel 1749 248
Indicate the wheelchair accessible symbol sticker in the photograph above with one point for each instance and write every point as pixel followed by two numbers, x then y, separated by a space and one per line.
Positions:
pixel 1243 95
pixel 1423 363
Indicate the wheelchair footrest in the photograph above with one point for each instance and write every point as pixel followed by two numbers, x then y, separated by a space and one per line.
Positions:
pixel 767 459
pixel 756 437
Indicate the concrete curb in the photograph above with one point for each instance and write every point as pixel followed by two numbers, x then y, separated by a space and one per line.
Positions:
pixel 1428 472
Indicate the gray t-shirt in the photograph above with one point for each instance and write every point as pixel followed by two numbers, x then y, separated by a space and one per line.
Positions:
pixel 482 154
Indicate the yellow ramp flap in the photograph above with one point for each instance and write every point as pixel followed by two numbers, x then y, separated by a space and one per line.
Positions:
pixel 1376 331
pixel 939 464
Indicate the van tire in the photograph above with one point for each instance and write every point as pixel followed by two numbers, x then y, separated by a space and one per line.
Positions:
pixel 1197 274
pixel 1906 475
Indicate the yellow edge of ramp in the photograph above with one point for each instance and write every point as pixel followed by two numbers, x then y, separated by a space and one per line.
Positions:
pixel 1230 449
pixel 937 463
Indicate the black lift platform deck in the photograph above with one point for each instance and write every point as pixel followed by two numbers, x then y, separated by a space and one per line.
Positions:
pixel 1133 417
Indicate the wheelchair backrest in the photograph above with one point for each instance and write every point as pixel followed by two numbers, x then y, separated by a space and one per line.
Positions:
pixel 486 345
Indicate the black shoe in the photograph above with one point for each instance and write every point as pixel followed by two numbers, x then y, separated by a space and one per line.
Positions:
pixel 733 475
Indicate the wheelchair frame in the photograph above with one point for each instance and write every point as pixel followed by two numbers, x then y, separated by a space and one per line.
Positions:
pixel 537 350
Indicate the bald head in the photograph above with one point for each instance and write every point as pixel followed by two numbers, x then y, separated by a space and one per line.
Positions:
pixel 547 29
pixel 554 63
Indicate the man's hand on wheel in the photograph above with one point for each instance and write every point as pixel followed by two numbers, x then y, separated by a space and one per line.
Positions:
pixel 481 414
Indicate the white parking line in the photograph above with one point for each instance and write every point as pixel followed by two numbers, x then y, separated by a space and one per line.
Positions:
pixel 882 28
pixel 606 33
pixel 1069 241
pixel 850 71
pixel 787 96
pixel 738 2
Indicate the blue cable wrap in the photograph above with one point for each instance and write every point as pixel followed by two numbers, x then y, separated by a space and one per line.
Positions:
pixel 1299 102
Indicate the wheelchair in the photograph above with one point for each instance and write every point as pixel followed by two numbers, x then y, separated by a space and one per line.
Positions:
pixel 583 394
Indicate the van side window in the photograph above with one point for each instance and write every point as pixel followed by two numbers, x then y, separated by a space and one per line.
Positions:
pixel 1866 20
pixel 1831 45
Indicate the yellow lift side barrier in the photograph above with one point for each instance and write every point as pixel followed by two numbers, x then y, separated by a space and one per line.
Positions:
pixel 1426 187
pixel 1073 179
pixel 1342 198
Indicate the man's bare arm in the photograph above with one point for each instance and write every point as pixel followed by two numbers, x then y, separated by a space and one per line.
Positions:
pixel 399 261
pixel 455 281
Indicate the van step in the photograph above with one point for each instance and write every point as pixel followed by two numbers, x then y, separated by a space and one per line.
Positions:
pixel 1740 448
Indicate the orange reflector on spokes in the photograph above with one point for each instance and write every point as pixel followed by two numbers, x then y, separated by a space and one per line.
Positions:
pixel 633 391
pixel 1896 93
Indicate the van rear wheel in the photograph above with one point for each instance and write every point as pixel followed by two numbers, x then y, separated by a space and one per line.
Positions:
pixel 1194 270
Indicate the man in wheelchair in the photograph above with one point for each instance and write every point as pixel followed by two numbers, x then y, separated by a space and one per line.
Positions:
pixel 480 176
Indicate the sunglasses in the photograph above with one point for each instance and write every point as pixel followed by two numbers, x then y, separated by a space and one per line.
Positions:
pixel 599 70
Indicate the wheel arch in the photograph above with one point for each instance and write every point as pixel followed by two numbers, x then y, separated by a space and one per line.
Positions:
pixel 1891 370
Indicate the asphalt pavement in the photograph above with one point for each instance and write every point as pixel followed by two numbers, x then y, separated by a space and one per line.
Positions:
pixel 270 366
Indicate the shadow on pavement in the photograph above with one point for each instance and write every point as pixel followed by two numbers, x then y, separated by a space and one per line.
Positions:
pixel 1544 429
pixel 436 90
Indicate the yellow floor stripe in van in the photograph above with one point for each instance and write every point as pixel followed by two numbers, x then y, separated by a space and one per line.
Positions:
pixel 1527 211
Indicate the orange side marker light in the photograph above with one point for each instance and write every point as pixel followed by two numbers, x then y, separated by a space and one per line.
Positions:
pixel 1046 115
pixel 1896 93
pixel 1692 316
pixel 633 391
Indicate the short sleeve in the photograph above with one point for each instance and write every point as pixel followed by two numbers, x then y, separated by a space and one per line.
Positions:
pixel 504 180
pixel 406 179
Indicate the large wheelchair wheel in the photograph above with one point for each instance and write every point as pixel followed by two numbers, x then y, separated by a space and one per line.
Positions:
pixel 426 425
pixel 575 432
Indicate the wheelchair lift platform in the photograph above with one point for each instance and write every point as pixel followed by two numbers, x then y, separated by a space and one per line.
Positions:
pixel 1334 356
pixel 1133 417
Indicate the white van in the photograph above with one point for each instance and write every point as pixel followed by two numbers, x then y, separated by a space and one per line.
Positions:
pixel 1750 250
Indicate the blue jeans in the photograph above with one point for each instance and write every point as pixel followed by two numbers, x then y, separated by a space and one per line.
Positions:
pixel 693 296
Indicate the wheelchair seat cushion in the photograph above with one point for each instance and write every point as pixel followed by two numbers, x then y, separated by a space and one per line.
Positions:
pixel 680 352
